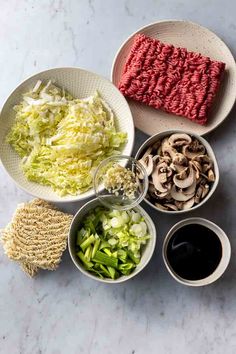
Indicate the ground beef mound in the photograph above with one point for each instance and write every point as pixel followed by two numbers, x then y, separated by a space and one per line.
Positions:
pixel 172 79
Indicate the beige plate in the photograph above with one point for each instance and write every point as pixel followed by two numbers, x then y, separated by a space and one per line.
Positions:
pixel 80 83
pixel 195 38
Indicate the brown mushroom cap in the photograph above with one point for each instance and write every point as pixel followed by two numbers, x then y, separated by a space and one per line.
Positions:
pixel 179 139
pixel 147 163
pixel 186 181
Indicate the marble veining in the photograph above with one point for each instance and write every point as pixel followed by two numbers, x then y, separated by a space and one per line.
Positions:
pixel 64 312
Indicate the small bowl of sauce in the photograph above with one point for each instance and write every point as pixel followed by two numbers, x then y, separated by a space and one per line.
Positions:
pixel 196 252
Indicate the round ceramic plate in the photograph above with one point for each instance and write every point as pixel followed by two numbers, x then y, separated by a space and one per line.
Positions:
pixel 80 83
pixel 195 38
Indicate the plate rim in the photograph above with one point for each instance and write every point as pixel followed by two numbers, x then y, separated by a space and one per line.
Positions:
pixel 58 199
pixel 181 21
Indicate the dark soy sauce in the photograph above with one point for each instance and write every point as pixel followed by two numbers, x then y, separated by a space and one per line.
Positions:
pixel 194 252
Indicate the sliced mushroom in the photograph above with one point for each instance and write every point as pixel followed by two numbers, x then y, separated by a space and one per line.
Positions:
pixel 197 167
pixel 211 176
pixel 156 179
pixel 179 139
pixel 179 195
pixel 188 204
pixel 186 182
pixel 191 189
pixel 205 190
pixel 147 163
pixel 171 206
pixel 160 206
pixel 166 148
pixel 205 162
pixel 179 204
pixel 198 194
pixel 195 148
pixel 180 172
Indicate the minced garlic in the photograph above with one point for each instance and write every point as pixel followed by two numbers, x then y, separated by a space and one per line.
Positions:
pixel 121 181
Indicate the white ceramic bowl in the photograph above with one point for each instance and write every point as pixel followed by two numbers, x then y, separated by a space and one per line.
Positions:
pixel 210 152
pixel 80 83
pixel 147 251
pixel 226 252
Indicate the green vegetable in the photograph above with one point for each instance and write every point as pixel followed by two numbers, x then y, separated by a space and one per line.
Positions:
pixel 95 247
pixel 84 260
pixel 87 242
pixel 62 139
pixel 110 242
pixel 103 258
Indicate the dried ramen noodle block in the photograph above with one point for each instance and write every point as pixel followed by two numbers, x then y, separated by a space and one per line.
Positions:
pixel 36 236
pixel 172 79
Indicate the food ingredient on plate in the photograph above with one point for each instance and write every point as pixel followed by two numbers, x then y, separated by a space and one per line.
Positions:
pixel 36 237
pixel 180 172
pixel 121 181
pixel 110 242
pixel 172 79
pixel 62 139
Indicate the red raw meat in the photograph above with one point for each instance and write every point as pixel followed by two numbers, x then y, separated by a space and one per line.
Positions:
pixel 172 79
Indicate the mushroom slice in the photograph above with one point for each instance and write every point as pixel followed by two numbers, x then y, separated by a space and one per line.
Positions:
pixel 147 163
pixel 156 180
pixel 171 206
pixel 179 195
pixel 159 177
pixel 188 204
pixel 211 176
pixel 198 194
pixel 166 148
pixel 179 139
pixel 186 182
pixel 191 189
pixel 205 190
pixel 195 148
pixel 179 204
pixel 160 206
pixel 205 162
pixel 197 168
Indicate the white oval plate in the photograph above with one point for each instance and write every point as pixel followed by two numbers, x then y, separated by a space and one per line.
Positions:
pixel 80 83
pixel 195 38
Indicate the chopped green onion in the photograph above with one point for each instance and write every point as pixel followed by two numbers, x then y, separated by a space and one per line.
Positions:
pixel 87 242
pixel 102 258
pixel 95 247
pixel 84 260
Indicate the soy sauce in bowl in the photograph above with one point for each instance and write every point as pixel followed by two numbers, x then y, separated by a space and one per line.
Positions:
pixel 194 252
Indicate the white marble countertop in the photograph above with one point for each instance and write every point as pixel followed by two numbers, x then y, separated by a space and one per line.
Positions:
pixel 63 311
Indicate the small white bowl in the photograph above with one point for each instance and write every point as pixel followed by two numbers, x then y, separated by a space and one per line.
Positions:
pixel 147 250
pixel 80 83
pixel 226 252
pixel 210 152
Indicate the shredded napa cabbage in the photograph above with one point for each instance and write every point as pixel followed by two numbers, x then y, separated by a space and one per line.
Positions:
pixel 62 139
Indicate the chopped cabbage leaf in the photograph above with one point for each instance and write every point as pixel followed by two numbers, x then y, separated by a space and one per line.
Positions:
pixel 62 139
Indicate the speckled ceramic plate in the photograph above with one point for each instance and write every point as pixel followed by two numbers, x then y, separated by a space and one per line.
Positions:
pixel 195 38
pixel 80 83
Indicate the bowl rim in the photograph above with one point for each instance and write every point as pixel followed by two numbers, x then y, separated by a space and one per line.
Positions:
pixel 226 251
pixel 79 197
pixel 127 158
pixel 212 155
pixel 105 280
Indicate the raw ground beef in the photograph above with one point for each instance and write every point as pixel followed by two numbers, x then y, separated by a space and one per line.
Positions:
pixel 172 79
